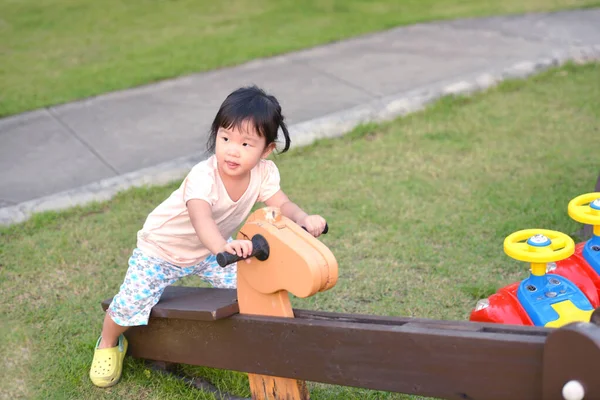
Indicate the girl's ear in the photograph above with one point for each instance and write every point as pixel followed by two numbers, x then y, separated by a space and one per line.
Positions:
pixel 268 150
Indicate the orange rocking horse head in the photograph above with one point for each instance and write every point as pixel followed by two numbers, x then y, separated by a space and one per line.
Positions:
pixel 297 263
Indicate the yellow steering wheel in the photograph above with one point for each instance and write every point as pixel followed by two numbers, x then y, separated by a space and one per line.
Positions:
pixel 586 209
pixel 538 246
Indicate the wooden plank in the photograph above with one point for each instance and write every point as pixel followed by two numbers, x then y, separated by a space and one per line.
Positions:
pixel 407 358
pixel 192 303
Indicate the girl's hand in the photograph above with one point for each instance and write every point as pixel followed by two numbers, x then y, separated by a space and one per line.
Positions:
pixel 241 248
pixel 314 224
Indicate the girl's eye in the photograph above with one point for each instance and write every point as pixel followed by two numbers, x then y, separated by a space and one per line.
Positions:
pixel 225 139
pixel 245 145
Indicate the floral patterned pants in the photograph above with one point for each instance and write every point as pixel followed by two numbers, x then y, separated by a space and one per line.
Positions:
pixel 147 277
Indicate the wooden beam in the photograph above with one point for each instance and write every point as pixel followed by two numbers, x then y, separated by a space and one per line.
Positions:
pixel 439 358
pixel 572 354
pixel 431 358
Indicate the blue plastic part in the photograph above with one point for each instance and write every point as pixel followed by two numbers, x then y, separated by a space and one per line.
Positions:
pixel 539 241
pixel 591 253
pixel 549 289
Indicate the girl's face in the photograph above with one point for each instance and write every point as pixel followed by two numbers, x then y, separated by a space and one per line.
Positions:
pixel 238 150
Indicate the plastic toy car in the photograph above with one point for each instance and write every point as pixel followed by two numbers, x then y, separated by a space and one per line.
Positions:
pixel 564 282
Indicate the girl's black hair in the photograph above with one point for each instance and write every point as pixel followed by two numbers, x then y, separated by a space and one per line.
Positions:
pixel 254 105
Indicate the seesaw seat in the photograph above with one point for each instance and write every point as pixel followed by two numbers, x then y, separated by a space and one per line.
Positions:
pixel 193 303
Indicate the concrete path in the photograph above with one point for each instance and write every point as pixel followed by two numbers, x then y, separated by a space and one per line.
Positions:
pixel 60 156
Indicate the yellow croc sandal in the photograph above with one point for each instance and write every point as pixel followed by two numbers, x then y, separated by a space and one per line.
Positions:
pixel 108 364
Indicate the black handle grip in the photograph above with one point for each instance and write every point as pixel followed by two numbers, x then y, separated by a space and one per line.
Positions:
pixel 324 230
pixel 260 250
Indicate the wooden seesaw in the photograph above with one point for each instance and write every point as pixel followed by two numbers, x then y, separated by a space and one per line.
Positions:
pixel 255 330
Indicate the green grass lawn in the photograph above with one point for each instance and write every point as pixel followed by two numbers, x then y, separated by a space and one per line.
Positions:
pixel 418 209
pixel 56 51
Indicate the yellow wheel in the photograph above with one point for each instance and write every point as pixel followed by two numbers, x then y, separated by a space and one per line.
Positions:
pixel 586 209
pixel 538 246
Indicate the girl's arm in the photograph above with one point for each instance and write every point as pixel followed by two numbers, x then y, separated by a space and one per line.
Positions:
pixel 208 232
pixel 315 224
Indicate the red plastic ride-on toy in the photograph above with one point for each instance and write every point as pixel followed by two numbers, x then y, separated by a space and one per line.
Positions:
pixel 564 282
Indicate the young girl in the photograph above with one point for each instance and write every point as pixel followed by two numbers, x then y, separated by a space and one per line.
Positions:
pixel 182 235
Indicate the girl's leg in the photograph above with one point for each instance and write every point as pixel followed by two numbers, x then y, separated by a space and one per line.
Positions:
pixel 110 332
pixel 210 271
pixel 146 279
pixel 144 283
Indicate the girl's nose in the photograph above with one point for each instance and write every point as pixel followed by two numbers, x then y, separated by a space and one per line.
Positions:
pixel 232 150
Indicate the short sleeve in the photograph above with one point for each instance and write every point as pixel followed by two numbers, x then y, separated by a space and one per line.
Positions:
pixel 269 180
pixel 200 184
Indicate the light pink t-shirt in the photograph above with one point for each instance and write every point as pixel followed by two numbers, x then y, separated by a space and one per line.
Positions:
pixel 168 232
